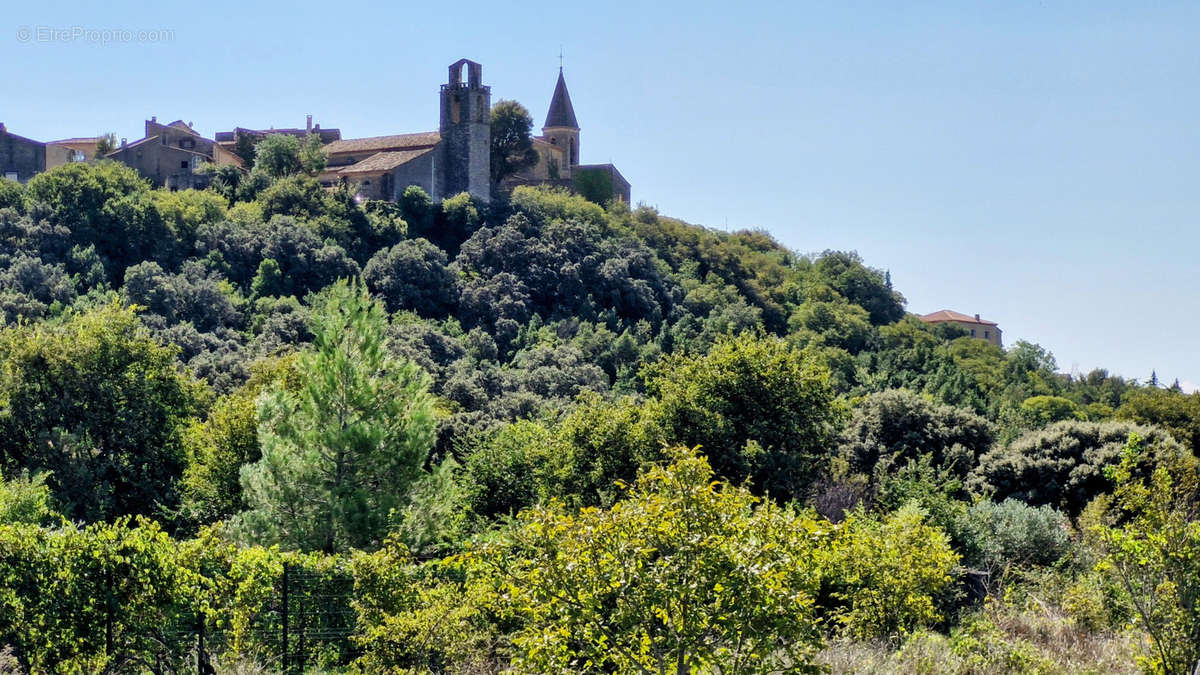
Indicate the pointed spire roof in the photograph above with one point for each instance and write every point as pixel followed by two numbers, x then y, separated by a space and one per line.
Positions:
pixel 561 114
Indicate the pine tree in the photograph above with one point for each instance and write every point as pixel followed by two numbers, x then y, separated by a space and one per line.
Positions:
pixel 341 454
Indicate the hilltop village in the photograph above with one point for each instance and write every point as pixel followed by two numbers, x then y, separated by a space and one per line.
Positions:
pixel 453 159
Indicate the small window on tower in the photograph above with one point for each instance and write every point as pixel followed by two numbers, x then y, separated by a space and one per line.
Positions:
pixel 455 109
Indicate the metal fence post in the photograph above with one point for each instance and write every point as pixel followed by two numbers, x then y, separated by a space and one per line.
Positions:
pixel 285 618
pixel 200 656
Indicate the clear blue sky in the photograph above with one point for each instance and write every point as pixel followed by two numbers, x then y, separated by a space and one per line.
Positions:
pixel 1037 163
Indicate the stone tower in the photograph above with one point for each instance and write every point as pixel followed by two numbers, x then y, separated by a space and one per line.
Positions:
pixel 561 128
pixel 466 129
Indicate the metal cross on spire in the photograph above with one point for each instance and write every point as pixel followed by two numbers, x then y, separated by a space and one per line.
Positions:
pixel 560 58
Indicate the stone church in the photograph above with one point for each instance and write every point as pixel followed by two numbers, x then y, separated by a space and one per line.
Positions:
pixel 457 157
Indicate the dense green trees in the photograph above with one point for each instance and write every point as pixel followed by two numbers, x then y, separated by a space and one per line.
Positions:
pixel 341 452
pixel 192 357
pixel 412 275
pixel 98 403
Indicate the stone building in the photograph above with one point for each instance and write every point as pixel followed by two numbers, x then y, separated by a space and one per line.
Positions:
pixel 70 150
pixel 455 158
pixel 170 155
pixel 975 327
pixel 229 139
pixel 20 158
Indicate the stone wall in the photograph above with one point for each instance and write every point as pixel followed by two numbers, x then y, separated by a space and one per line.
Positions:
pixel 421 172
pixel 20 156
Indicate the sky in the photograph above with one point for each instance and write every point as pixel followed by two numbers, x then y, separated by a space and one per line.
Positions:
pixel 1037 163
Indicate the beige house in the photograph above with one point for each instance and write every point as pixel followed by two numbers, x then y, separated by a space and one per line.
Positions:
pixel 975 326
pixel 70 150
pixel 170 155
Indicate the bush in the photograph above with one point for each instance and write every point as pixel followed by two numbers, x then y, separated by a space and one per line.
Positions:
pixel 1063 465
pixel 64 590
pixel 1013 533
pixel 412 275
pixel 685 574
pixel 760 410
pixel 893 428
pixel 885 575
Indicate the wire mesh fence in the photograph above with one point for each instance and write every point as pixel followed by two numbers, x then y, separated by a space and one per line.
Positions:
pixel 305 625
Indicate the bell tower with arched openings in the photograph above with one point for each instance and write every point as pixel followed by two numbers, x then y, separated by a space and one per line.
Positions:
pixel 561 129
pixel 466 130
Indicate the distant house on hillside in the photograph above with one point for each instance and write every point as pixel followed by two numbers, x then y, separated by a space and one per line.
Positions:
pixel 70 150
pixel 170 155
pixel 976 327
pixel 229 139
pixel 20 157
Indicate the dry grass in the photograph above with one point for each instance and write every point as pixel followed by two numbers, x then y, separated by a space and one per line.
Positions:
pixel 999 639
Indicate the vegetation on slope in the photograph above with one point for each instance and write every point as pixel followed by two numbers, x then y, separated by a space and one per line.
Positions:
pixel 546 435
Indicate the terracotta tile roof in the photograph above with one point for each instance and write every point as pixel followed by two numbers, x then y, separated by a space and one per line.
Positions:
pixel 383 161
pixel 950 315
pixel 426 139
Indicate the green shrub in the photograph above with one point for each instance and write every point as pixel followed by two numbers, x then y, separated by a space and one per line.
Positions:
pixel 1063 465
pixel 887 574
pixel 893 428
pixel 1013 533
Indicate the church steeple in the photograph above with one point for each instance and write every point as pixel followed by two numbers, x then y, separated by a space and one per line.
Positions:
pixel 561 129
pixel 562 113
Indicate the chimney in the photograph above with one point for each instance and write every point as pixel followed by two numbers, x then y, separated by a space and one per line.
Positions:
pixel 122 142
pixel 976 317
pixel 154 118
pixel 3 129
pixel 308 123
pixel 189 125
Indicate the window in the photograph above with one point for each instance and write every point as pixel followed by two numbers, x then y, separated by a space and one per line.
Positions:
pixel 184 164
pixel 11 175
pixel 987 335
pixel 972 332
